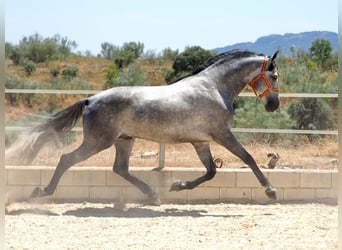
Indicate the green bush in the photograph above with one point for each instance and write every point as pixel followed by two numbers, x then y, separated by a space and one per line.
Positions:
pixel 39 49
pixel 112 72
pixel 28 99
pixel 70 72
pixel 29 66
pixel 55 72
pixel 169 54
pixel 311 114
pixel 131 76
pixel 302 78
pixel 16 55
pixel 69 84
pixel 13 82
pixel 123 58
pixel 250 113
pixel 8 49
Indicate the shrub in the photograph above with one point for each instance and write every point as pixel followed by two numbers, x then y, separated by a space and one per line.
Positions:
pixel 16 55
pixel 311 114
pixel 70 72
pixel 66 83
pixel 108 50
pixel 123 58
pixel 29 66
pixel 27 98
pixel 112 72
pixel 8 49
pixel 13 82
pixel 169 54
pixel 30 99
pixel 39 49
pixel 55 72
pixel 131 76
pixel 250 113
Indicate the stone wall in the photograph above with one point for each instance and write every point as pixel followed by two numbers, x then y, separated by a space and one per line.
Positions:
pixel 240 185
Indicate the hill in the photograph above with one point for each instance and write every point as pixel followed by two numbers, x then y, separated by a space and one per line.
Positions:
pixel 92 69
pixel 269 44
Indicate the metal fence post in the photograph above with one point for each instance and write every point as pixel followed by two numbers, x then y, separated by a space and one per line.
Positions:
pixel 161 155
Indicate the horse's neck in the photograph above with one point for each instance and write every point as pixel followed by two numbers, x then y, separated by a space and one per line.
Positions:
pixel 233 81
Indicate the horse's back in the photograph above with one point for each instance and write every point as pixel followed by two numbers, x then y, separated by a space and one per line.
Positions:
pixel 165 113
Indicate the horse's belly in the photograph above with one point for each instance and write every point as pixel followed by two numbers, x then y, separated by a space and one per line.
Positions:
pixel 171 134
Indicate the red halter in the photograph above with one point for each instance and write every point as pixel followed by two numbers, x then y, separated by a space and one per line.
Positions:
pixel 263 76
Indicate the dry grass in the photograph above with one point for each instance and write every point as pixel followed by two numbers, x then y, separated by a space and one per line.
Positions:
pixel 320 155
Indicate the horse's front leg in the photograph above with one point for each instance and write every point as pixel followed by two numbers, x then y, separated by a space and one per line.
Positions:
pixel 229 141
pixel 203 152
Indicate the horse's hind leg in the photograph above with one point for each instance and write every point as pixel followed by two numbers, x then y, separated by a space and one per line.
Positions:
pixel 84 151
pixel 123 151
pixel 203 152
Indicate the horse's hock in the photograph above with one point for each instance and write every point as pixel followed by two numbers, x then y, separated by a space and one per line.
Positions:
pixel 233 185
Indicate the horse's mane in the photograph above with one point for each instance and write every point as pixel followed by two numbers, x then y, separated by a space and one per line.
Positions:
pixel 223 57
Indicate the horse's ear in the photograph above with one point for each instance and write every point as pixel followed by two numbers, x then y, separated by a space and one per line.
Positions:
pixel 274 55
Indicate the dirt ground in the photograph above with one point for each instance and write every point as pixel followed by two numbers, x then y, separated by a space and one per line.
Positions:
pixel 171 226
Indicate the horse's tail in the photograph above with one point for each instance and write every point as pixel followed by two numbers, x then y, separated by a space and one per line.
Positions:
pixel 29 143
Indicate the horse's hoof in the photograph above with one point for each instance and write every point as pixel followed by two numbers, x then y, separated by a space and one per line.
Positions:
pixel 177 186
pixel 157 169
pixel 154 201
pixel 38 192
pixel 271 192
pixel 120 206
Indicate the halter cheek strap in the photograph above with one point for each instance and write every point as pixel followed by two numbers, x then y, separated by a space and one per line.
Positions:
pixel 267 82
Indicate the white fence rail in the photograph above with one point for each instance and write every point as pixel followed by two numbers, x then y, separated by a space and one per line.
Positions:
pixel 244 94
pixel 92 92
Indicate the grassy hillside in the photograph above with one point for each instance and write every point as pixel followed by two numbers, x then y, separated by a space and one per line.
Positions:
pixel 92 70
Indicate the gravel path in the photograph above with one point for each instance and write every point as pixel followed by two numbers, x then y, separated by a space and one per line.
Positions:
pixel 170 226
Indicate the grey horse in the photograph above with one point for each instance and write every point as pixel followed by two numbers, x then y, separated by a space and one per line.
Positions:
pixel 197 109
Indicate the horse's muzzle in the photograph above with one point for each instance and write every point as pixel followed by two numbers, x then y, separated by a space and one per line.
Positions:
pixel 272 104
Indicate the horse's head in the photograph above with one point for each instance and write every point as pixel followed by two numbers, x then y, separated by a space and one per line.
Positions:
pixel 265 84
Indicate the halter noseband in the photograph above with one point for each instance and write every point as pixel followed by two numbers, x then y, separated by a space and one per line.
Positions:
pixel 267 82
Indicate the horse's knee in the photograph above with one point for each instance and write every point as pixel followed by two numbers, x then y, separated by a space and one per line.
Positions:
pixel 211 173
pixel 118 169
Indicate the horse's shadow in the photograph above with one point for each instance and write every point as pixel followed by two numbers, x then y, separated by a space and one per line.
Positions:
pixel 142 212
pixel 36 211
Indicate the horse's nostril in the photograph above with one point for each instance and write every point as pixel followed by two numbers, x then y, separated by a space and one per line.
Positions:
pixel 272 105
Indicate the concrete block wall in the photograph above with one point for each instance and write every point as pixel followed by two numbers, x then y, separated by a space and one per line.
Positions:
pixel 240 185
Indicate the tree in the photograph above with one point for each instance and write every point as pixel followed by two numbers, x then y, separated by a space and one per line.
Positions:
pixel 188 60
pixel 39 49
pixel 122 58
pixel 169 54
pixel 320 52
pixel 191 58
pixel 137 48
pixel 108 50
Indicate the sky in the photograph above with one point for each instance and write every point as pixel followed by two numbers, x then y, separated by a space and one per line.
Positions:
pixel 161 24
